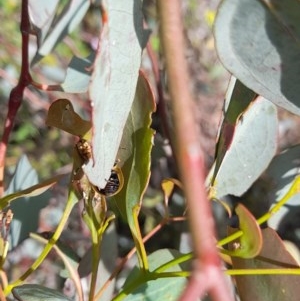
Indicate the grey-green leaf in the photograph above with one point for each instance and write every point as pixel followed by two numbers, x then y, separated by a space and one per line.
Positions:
pixel 162 288
pixel 78 75
pixel 34 292
pixel 258 41
pixel 41 15
pixel 252 148
pixel 281 173
pixel 113 84
pixel 30 195
pixel 238 98
pixel 67 20
pixel 135 151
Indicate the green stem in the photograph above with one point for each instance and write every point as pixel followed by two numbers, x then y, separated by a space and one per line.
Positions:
pixel 244 272
pixel 72 200
pixel 141 279
pixel 230 238
pixel 90 222
pixel 96 254
pixel 292 191
pixel 138 240
pixel 295 188
pixel 173 262
pixel 97 230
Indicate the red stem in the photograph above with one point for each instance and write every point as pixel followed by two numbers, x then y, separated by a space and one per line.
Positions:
pixel 16 95
pixel 207 275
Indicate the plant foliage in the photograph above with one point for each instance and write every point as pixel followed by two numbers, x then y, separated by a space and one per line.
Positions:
pixel 110 179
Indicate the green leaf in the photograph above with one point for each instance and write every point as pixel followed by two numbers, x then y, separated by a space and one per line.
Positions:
pixel 134 159
pixel 250 243
pixel 268 287
pixel 252 148
pixel 258 42
pixel 159 289
pixel 34 292
pixel 135 151
pixel 113 84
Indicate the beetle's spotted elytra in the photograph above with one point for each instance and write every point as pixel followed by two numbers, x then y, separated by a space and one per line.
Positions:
pixel 84 149
pixel 114 183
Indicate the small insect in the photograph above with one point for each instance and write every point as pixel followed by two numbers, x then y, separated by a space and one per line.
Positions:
pixel 84 149
pixel 114 183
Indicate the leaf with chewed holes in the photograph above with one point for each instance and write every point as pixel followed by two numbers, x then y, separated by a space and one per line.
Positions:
pixel 61 115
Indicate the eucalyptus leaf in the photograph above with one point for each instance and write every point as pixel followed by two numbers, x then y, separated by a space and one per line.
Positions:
pixel 78 75
pixel 250 243
pixel 61 115
pixel 273 255
pixel 251 150
pixel 34 190
pixel 41 15
pixel 24 177
pixel 66 21
pixel 258 42
pixel 30 195
pixel 135 151
pixel 34 292
pixel 161 288
pixel 113 83
pixel 281 174
pixel 238 98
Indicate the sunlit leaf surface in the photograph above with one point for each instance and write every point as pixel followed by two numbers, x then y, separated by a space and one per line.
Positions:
pixel 113 84
pixel 258 42
pixel 252 148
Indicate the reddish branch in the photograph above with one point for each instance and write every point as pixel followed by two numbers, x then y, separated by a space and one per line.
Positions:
pixel 16 95
pixel 206 275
